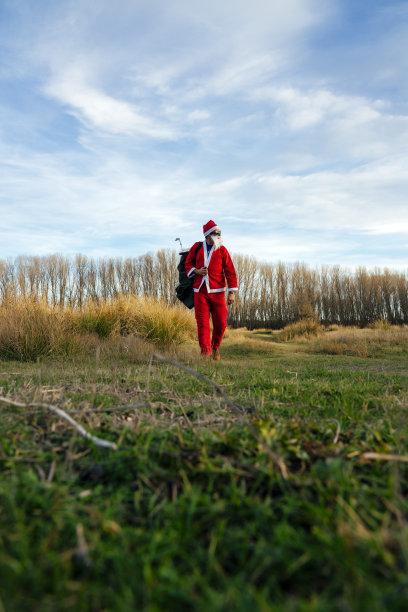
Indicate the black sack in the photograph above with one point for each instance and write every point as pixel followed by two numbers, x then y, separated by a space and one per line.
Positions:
pixel 184 290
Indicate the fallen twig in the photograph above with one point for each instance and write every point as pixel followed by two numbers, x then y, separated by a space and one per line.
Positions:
pixel 338 430
pixel 85 410
pixel 384 457
pixel 64 415
pixel 81 553
pixel 51 472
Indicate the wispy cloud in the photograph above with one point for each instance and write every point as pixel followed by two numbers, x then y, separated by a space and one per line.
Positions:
pixel 304 109
pixel 346 125
pixel 100 111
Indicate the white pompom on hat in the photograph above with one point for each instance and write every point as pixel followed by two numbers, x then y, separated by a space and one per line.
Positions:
pixel 210 227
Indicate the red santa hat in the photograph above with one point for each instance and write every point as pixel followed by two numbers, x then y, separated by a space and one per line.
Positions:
pixel 210 227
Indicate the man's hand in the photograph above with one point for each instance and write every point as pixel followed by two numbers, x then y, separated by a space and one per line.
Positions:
pixel 231 299
pixel 201 271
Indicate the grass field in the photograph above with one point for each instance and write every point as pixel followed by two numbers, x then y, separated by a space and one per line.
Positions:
pixel 291 497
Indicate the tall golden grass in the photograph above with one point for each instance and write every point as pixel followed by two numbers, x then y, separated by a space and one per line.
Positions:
pixel 31 329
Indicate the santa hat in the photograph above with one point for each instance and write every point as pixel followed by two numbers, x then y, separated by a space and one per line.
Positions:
pixel 209 227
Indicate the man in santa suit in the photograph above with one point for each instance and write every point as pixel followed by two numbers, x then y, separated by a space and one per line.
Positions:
pixel 212 268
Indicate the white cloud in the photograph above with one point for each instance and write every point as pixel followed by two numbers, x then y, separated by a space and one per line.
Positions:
pixel 358 200
pixel 197 115
pixel 101 111
pixel 301 109
pixel 333 127
pixel 301 217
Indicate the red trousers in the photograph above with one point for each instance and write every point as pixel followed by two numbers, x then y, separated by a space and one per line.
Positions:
pixel 206 304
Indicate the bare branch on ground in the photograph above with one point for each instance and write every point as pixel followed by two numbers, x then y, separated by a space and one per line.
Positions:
pixel 61 413
pixel 384 457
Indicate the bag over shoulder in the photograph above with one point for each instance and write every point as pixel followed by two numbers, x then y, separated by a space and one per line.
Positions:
pixel 184 290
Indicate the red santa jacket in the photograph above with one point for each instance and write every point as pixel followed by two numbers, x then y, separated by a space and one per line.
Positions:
pixel 220 268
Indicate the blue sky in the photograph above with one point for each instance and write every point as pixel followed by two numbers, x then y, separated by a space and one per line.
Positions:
pixel 126 124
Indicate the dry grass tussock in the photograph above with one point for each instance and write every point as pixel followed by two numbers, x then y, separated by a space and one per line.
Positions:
pixel 153 320
pixel 31 329
pixel 366 342
pixel 307 328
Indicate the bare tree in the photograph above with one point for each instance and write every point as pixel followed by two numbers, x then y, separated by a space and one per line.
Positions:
pixel 270 295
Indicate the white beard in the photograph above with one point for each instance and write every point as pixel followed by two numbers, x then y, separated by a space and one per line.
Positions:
pixel 217 242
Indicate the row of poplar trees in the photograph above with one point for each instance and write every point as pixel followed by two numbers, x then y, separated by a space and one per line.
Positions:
pixel 270 295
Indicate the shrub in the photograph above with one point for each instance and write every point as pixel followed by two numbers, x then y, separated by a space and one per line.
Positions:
pixel 30 330
pixel 101 319
pixel 332 328
pixel 156 321
pixel 380 324
pixel 304 327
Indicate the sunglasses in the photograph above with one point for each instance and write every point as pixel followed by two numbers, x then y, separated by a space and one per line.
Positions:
pixel 215 233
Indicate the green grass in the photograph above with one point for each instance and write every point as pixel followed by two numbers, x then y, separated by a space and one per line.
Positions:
pixel 193 511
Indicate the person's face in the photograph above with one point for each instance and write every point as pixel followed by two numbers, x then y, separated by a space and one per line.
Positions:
pixel 214 235
pixel 215 239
